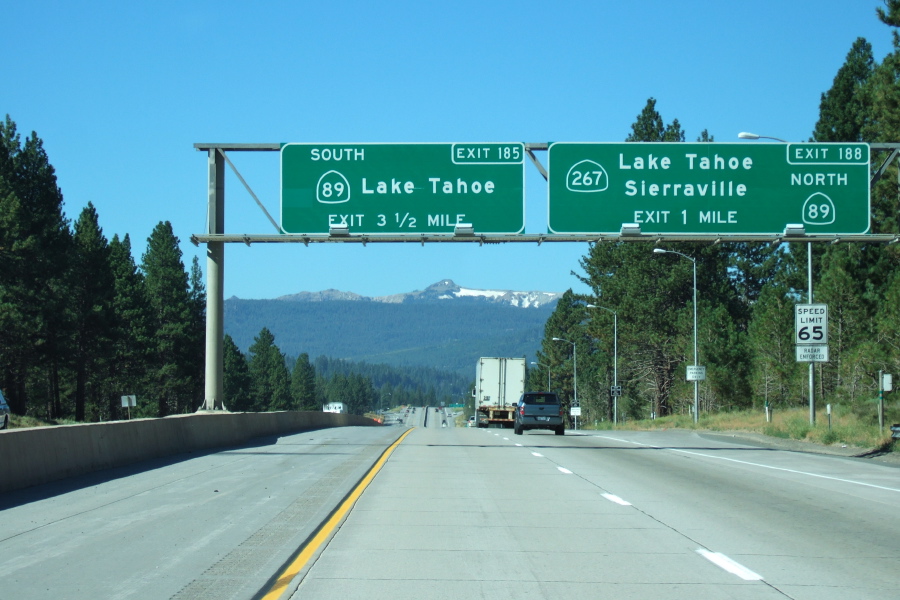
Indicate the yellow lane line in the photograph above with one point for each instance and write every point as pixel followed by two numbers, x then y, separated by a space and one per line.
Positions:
pixel 328 528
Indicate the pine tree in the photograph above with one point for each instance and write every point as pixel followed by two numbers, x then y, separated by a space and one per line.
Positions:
pixel 776 377
pixel 33 285
pixel 891 16
pixel 237 383
pixel 842 286
pixel 851 277
pixel 91 301
pixel 303 384
pixel 132 336
pixel 172 324
pixel 270 379
pixel 882 95
pixel 197 352
pixel 843 111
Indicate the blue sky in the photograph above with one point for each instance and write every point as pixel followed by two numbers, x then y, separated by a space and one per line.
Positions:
pixel 120 92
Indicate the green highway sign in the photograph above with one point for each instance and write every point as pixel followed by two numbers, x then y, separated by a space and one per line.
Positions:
pixel 708 188
pixel 403 188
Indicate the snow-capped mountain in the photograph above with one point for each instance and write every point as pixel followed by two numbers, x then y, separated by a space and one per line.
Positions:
pixel 440 291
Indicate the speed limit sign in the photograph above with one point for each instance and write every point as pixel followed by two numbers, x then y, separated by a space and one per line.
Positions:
pixel 810 324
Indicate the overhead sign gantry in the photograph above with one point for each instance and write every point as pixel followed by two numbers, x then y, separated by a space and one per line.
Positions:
pixel 474 192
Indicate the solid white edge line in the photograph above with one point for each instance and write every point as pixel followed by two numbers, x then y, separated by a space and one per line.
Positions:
pixel 722 561
pixel 616 499
pixel 753 464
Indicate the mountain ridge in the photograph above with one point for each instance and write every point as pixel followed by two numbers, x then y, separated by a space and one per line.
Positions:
pixel 444 326
pixel 446 289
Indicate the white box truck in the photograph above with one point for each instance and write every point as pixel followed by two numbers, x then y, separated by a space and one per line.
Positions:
pixel 499 383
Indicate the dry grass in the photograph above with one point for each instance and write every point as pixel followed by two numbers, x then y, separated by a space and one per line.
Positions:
pixel 846 427
pixel 15 422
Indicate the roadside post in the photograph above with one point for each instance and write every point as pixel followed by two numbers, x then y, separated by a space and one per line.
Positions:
pixel 616 392
pixel 828 410
pixel 128 402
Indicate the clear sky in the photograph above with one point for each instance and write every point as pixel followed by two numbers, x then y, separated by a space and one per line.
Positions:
pixel 120 91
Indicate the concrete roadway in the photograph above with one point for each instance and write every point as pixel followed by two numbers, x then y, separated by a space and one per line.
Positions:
pixel 217 525
pixel 483 513
pixel 466 513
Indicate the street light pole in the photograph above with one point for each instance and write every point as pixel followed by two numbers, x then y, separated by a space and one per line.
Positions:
pixel 746 135
pixel 574 372
pixel 696 382
pixel 615 358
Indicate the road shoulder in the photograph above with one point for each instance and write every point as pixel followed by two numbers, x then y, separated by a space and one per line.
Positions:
pixel 766 441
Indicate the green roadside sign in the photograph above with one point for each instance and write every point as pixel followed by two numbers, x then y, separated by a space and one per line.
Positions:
pixel 403 188
pixel 708 188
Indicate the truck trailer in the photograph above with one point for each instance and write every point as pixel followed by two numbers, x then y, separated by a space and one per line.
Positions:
pixel 499 383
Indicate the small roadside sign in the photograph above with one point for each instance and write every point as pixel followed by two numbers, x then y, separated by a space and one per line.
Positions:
pixel 810 324
pixel 615 390
pixel 696 373
pixel 812 353
pixel 575 411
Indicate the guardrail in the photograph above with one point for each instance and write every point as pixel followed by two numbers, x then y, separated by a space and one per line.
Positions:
pixel 32 456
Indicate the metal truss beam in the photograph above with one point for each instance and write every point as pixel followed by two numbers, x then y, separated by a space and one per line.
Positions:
pixel 481 239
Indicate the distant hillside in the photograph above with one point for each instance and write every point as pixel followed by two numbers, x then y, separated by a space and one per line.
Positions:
pixel 448 333
pixel 441 291
pixel 405 383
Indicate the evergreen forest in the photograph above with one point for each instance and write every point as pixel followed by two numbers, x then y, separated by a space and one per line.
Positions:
pixel 82 322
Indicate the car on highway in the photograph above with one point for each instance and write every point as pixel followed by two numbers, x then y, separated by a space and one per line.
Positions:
pixel 539 410
pixel 470 422
pixel 4 412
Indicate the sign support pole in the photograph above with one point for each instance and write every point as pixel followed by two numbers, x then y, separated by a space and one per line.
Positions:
pixel 812 373
pixel 215 288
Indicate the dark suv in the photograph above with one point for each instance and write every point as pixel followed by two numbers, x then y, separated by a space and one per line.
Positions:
pixel 539 410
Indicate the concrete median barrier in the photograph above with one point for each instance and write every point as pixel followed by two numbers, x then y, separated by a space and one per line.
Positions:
pixel 42 454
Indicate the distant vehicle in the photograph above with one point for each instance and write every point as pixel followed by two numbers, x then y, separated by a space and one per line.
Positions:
pixel 4 412
pixel 334 407
pixel 539 410
pixel 471 422
pixel 499 383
